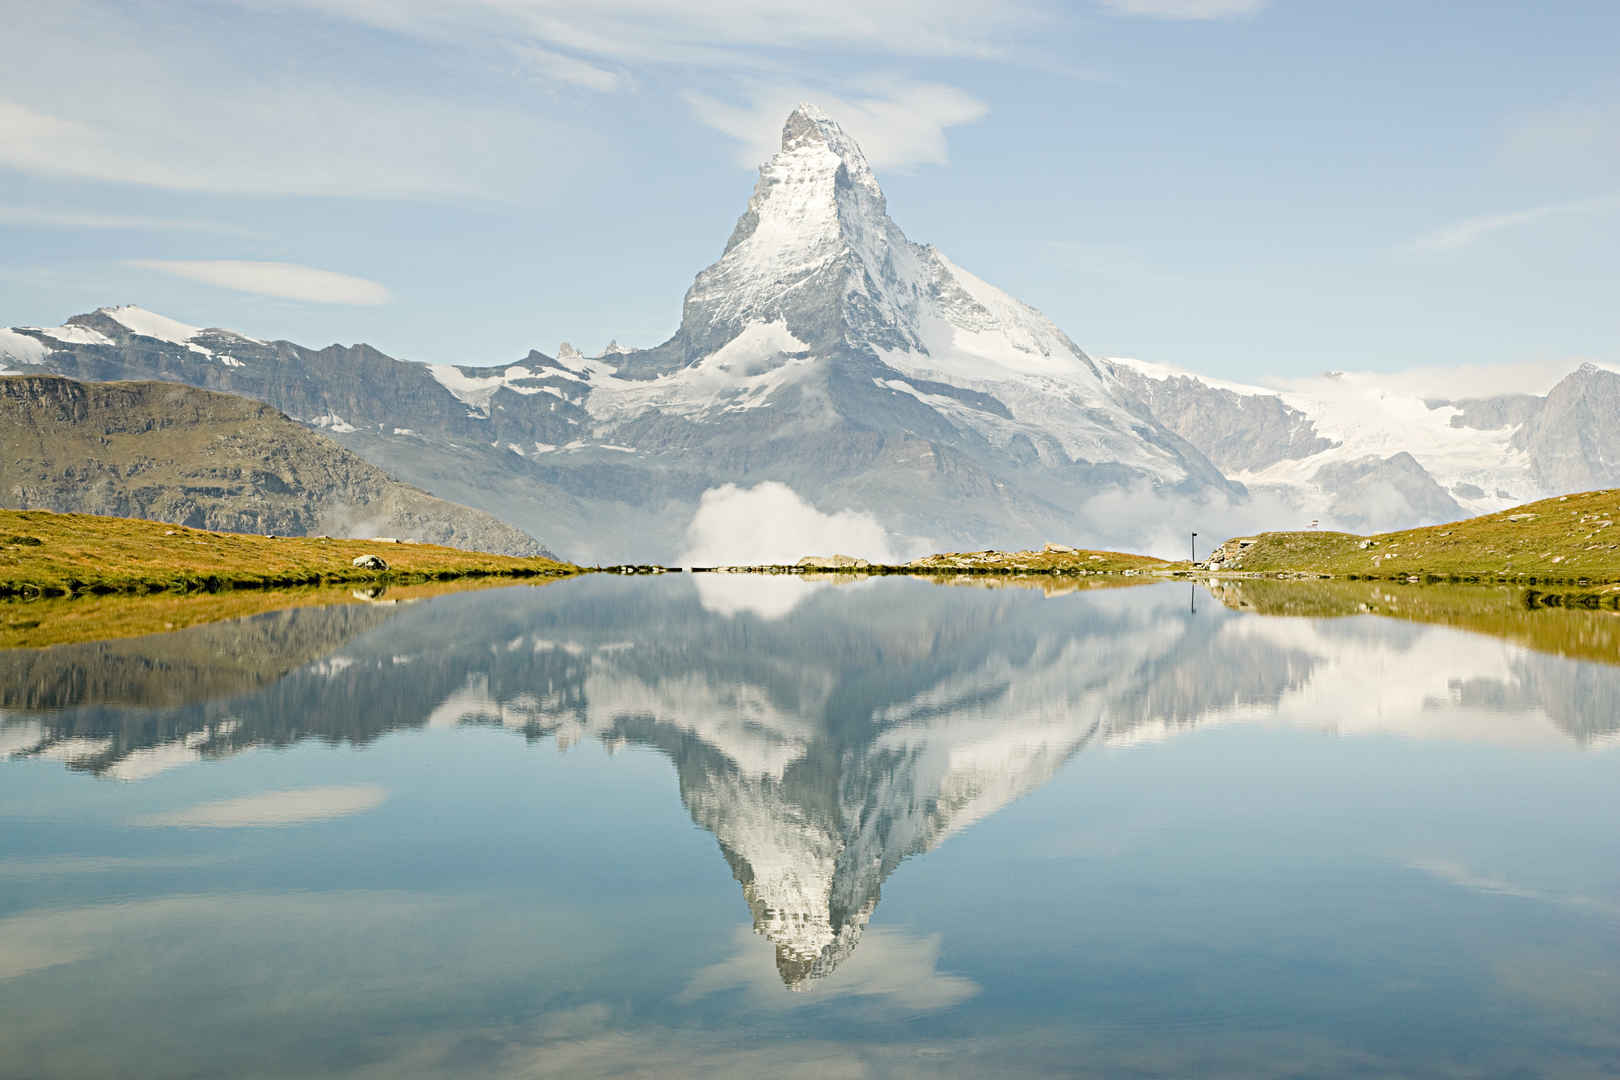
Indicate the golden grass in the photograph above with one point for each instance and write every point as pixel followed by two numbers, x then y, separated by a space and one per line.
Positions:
pixel 1565 539
pixel 48 554
pixel 1036 562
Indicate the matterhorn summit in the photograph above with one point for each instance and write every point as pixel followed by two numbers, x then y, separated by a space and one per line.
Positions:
pixel 817 252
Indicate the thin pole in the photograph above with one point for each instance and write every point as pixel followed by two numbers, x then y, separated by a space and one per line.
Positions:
pixel 1194 547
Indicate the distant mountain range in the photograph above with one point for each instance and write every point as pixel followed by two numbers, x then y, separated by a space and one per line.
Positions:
pixel 827 351
pixel 194 457
pixel 1362 451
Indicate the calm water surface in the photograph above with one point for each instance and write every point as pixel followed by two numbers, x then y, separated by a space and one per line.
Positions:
pixel 774 828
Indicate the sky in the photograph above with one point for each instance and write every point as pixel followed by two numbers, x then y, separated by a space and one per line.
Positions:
pixel 1244 188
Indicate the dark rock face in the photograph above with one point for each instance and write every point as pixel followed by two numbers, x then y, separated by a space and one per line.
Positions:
pixel 1573 439
pixel 1375 489
pixel 174 453
pixel 1239 432
pixel 1493 413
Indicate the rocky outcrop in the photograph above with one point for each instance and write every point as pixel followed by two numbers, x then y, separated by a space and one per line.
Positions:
pixel 1366 493
pixel 1573 440
pixel 192 457
pixel 833 562
pixel 1492 413
pixel 1239 432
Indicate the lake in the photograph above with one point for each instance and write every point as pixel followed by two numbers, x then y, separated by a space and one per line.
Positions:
pixel 747 826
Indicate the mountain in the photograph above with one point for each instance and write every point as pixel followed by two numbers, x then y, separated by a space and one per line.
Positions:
pixel 1364 452
pixel 194 457
pixel 824 349
pixel 827 351
pixel 1571 441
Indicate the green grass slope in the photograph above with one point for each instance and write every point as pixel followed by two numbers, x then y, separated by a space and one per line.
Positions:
pixel 1568 538
pixel 46 554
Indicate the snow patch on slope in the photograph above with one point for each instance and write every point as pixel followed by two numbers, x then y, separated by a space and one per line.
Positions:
pixel 1371 414
pixel 150 324
pixel 980 332
pixel 1368 418
pixel 71 335
pixel 1162 372
pixel 477 390
pixel 333 422
pixel 742 374
pixel 21 348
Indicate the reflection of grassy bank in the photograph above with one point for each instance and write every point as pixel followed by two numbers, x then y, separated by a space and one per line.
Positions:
pixel 1054 560
pixel 47 554
pixel 1048 583
pixel 1584 625
pixel 33 624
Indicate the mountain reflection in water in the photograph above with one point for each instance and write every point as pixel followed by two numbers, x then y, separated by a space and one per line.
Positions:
pixel 822 740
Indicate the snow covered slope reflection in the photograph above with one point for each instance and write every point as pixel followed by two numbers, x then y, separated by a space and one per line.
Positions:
pixel 825 744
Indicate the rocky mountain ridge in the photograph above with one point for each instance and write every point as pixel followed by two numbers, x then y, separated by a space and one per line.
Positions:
pixel 174 453
pixel 827 351
pixel 1365 452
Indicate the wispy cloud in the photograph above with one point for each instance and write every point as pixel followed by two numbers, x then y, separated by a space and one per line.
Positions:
pixel 273 808
pixel 288 280
pixel 570 69
pixel 273 138
pixel 195 115
pixel 898 124
pixel 1185 9
pixel 1460 234
pixel 34 217
pixel 719 33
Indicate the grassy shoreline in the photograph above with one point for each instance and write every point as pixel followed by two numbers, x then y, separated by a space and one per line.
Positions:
pixel 1567 540
pixel 45 554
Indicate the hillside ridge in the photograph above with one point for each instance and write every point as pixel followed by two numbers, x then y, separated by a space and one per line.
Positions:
pixel 209 460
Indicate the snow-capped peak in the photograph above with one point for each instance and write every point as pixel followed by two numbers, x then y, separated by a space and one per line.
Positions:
pixel 808 128
pixel 815 232
pixel 817 251
pixel 150 324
